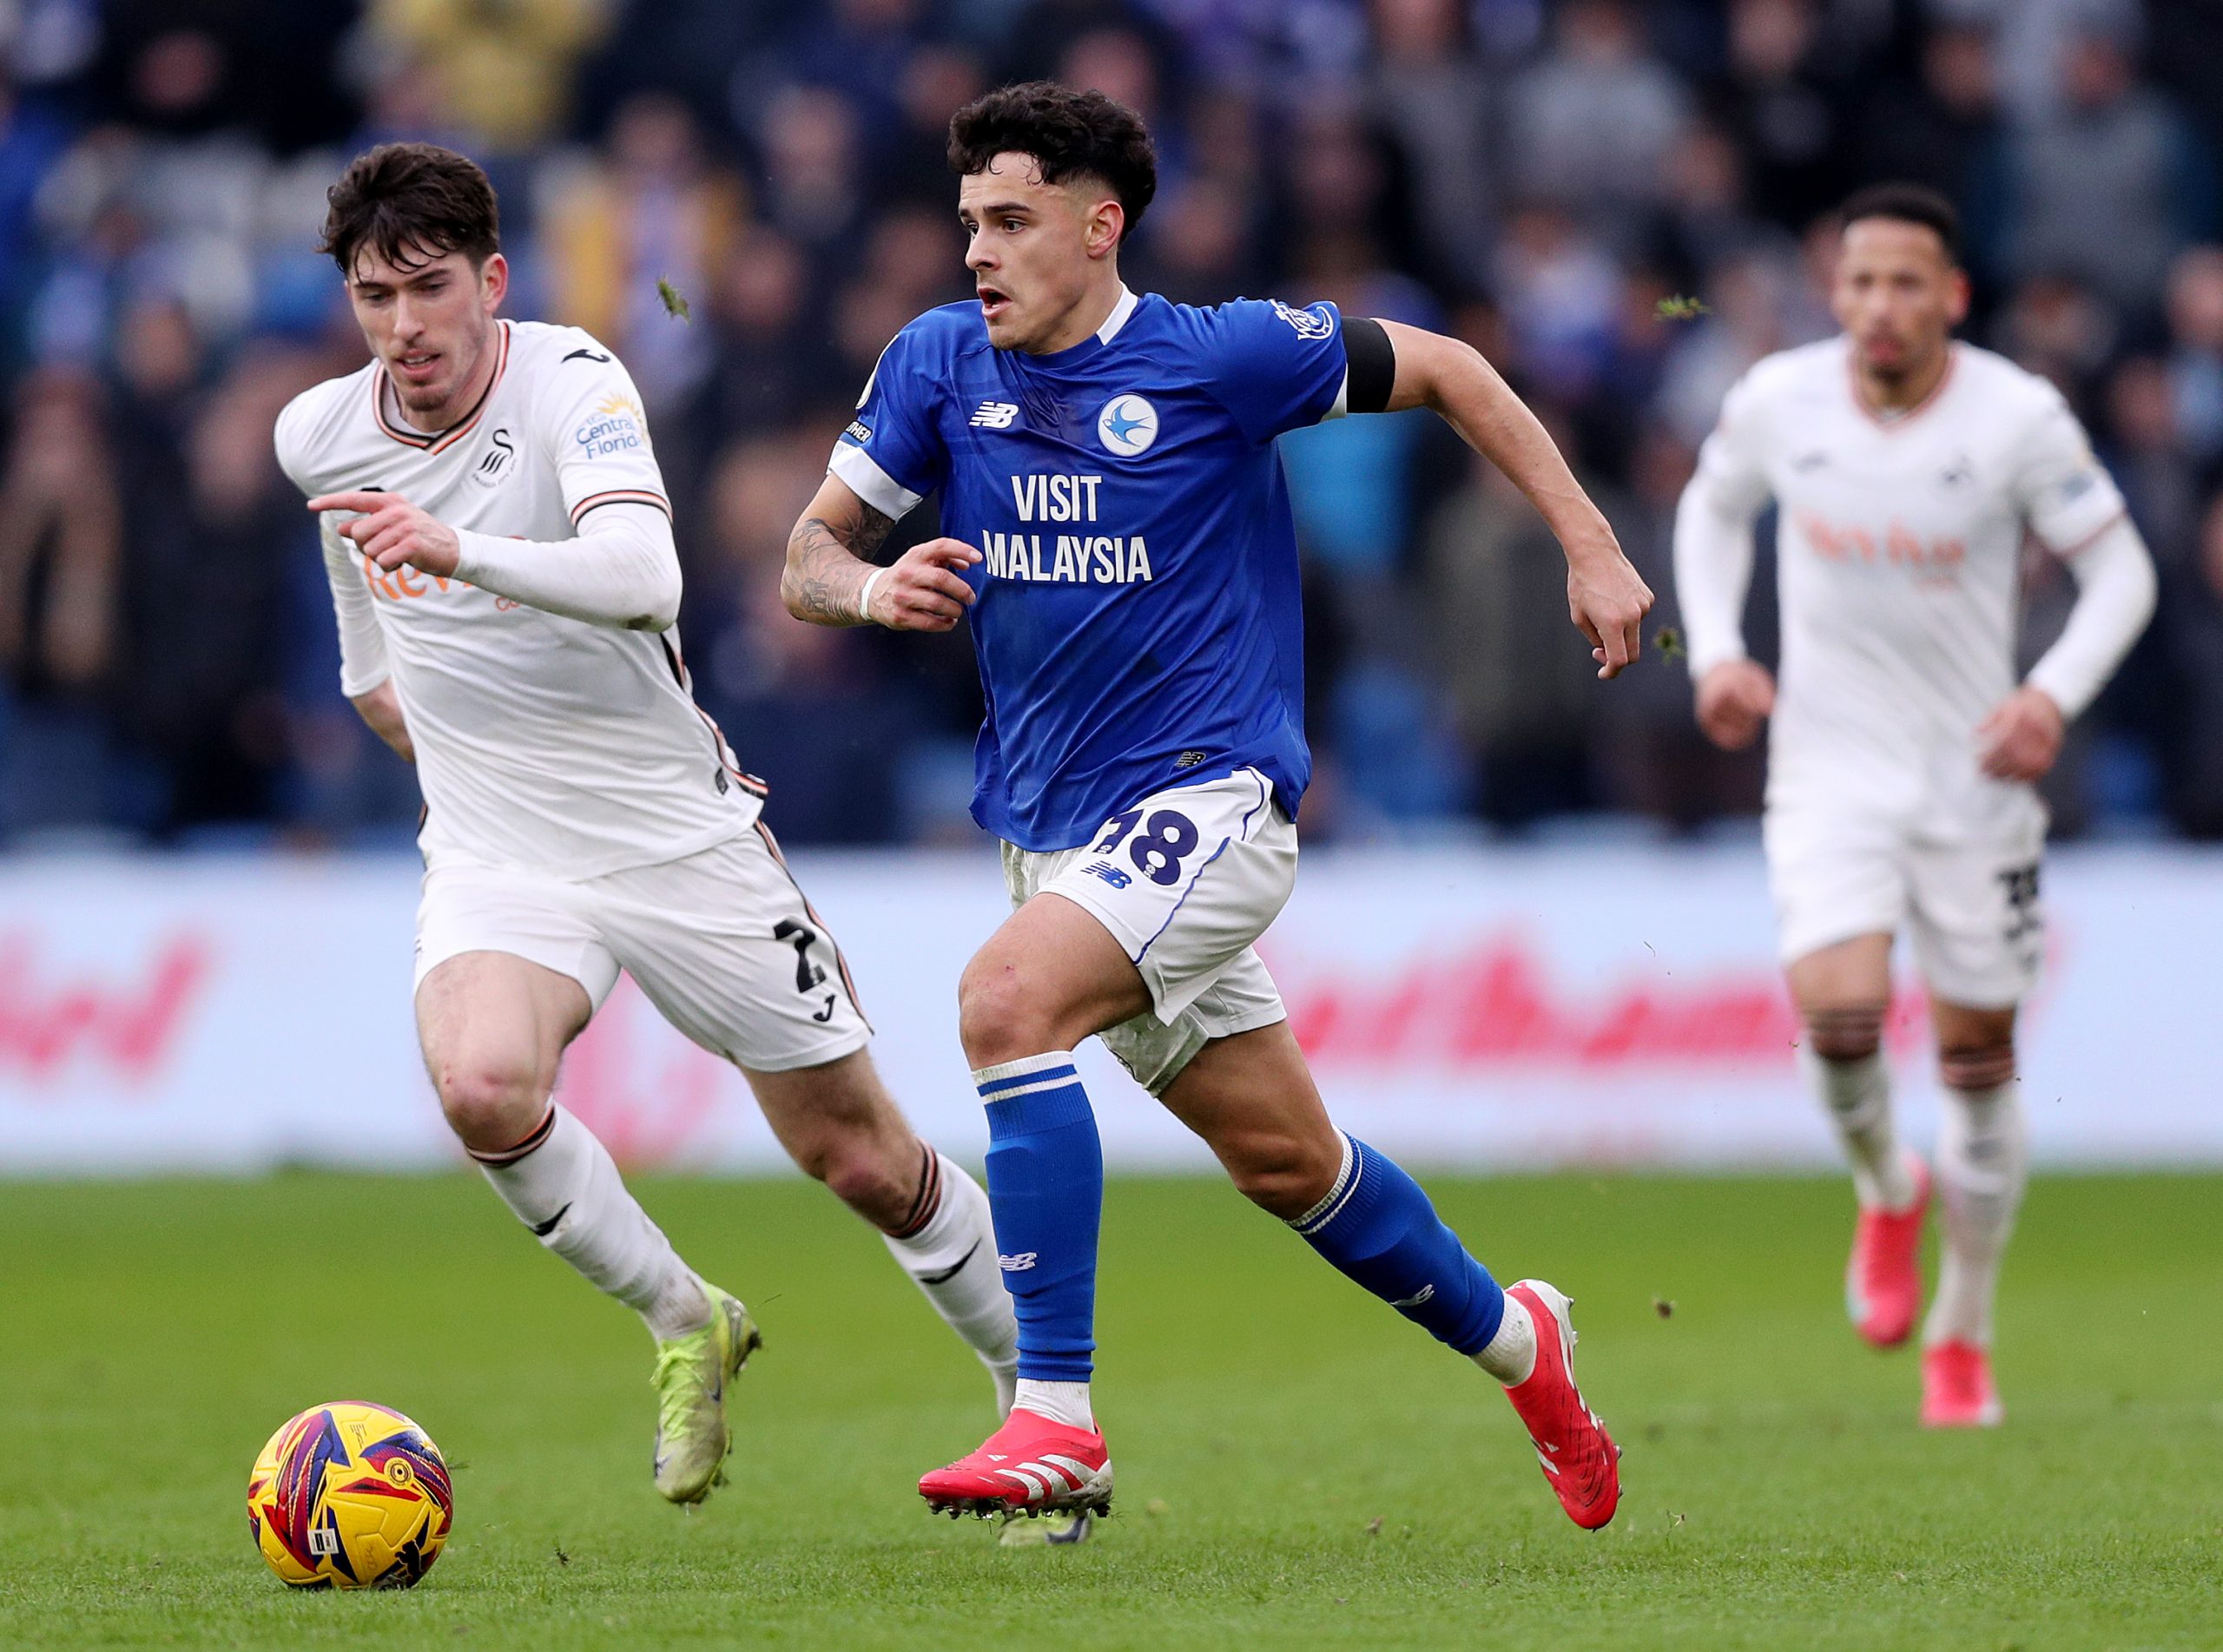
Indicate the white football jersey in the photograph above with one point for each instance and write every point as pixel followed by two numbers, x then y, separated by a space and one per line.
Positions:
pixel 541 742
pixel 1899 546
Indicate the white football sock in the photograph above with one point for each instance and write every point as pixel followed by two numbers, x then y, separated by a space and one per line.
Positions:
pixel 1510 1356
pixel 1983 1161
pixel 564 1185
pixel 1857 1094
pixel 1061 1402
pixel 951 1257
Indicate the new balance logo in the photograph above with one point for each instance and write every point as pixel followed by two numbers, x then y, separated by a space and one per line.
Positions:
pixel 1425 1292
pixel 1111 874
pixel 994 416
pixel 1018 1263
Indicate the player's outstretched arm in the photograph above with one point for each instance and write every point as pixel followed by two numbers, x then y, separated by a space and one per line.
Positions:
pixel 1606 596
pixel 830 578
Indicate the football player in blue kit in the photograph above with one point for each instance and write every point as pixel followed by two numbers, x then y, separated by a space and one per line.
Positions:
pixel 1118 532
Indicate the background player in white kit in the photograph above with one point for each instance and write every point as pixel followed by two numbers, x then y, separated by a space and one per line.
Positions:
pixel 501 557
pixel 1906 469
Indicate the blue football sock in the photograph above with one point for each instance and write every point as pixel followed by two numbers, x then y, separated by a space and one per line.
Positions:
pixel 1046 1187
pixel 1377 1226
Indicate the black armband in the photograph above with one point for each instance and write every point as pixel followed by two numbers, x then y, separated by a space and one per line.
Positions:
pixel 1370 370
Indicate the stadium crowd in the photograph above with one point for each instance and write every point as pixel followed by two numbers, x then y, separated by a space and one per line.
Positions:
pixel 1623 204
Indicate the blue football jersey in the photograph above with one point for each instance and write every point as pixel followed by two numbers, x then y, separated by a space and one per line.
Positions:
pixel 1138 623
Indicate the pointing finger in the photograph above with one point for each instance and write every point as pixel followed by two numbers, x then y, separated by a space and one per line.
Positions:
pixel 364 502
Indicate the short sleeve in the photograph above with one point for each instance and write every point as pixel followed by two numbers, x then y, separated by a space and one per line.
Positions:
pixel 596 432
pixel 1733 460
pixel 1273 367
pixel 2063 491
pixel 892 456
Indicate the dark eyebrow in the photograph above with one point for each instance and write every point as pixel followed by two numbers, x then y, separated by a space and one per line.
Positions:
pixel 418 279
pixel 1000 209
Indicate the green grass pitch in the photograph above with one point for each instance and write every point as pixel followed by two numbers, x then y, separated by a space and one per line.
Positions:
pixel 1297 1467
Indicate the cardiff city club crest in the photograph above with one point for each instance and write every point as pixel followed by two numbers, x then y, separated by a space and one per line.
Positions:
pixel 1127 425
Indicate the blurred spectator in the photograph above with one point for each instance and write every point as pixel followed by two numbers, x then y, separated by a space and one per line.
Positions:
pixel 655 211
pixel 2058 329
pixel 813 187
pixel 1704 214
pixel 1941 129
pixel 1749 306
pixel 61 537
pixel 2107 186
pixel 2192 618
pixel 1786 112
pixel 937 81
pixel 1590 124
pixel 863 49
pixel 503 66
pixel 203 605
pixel 187 69
pixel 1202 244
pixel 799 702
pixel 1647 754
pixel 31 140
pixel 2195 305
pixel 1562 298
pixel 767 360
pixel 2146 455
pixel 1427 90
pixel 1520 689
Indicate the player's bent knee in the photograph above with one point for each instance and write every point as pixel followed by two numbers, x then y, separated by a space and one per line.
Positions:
pixel 1846 1032
pixel 489 1106
pixel 998 1018
pixel 1281 1174
pixel 857 1172
pixel 1984 1067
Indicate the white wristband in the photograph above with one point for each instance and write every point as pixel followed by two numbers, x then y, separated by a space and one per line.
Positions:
pixel 864 598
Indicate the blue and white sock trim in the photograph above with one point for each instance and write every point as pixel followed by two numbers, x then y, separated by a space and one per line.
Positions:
pixel 1332 1206
pixel 1008 1081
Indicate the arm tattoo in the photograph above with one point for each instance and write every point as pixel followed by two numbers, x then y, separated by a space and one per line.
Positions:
pixel 826 572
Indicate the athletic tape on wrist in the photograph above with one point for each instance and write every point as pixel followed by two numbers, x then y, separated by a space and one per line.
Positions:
pixel 864 599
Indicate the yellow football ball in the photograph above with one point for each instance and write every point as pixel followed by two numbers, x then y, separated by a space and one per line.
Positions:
pixel 350 1495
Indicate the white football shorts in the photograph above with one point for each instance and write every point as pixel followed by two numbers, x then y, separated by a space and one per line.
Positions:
pixel 721 942
pixel 1968 899
pixel 1186 881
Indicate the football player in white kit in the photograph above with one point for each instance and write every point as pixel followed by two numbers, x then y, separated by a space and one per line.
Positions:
pixel 500 550
pixel 1907 469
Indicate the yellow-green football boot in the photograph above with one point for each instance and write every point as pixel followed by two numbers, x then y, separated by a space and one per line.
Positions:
pixel 1030 1531
pixel 692 1436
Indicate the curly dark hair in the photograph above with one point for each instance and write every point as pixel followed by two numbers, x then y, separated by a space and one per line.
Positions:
pixel 410 202
pixel 1070 135
pixel 1907 203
